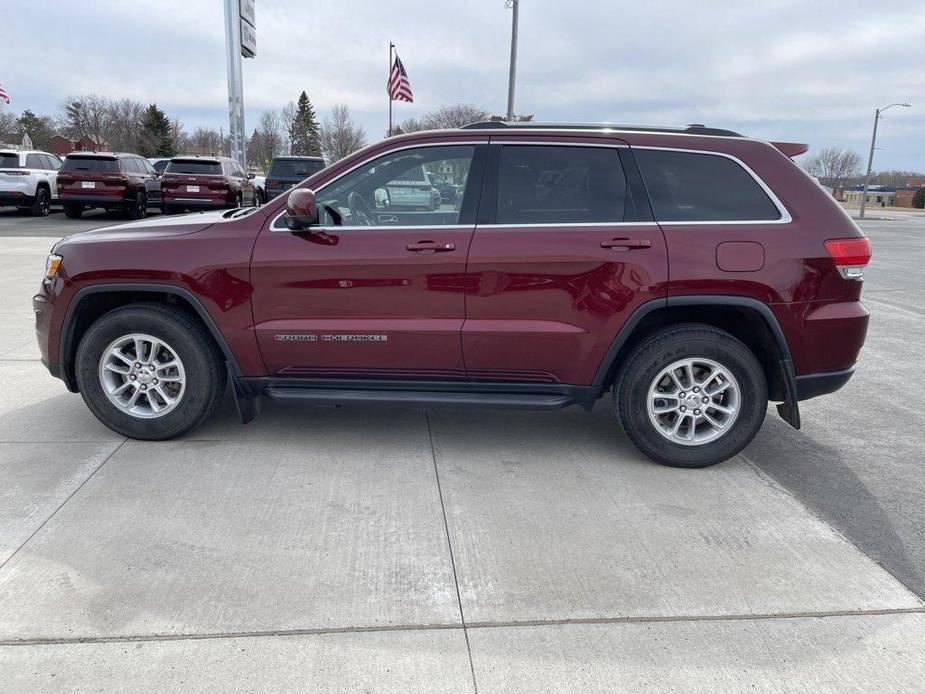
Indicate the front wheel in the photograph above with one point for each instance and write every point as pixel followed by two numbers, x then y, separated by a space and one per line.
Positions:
pixel 149 371
pixel 691 396
pixel 41 206
pixel 139 207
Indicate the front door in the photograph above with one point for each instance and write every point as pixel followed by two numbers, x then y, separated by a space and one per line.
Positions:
pixel 377 289
pixel 567 251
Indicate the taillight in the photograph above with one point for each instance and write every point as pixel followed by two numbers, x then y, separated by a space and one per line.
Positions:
pixel 850 256
pixel 17 172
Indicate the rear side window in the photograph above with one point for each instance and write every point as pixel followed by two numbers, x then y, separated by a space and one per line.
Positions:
pixel 193 166
pixel 560 184
pixel 33 161
pixel 94 164
pixel 9 161
pixel 294 168
pixel 690 187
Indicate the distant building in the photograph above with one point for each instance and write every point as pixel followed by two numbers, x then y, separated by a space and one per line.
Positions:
pixel 63 146
pixel 904 195
pixel 880 196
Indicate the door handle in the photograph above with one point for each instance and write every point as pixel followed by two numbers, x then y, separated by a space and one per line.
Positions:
pixel 627 244
pixel 431 247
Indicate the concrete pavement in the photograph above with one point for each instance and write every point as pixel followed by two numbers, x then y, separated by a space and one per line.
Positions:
pixel 372 549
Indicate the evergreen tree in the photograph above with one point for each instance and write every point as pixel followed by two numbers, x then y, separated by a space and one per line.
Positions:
pixel 304 131
pixel 39 129
pixel 156 135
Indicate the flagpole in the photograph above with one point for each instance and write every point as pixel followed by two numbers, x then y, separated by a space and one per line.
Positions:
pixel 391 46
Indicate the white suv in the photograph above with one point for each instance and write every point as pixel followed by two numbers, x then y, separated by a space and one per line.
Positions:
pixel 29 180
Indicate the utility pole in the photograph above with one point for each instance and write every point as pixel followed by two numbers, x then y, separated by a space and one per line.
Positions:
pixel 870 159
pixel 513 4
pixel 240 39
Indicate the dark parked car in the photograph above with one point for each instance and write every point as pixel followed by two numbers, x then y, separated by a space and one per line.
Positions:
pixel 206 183
pixel 692 274
pixel 286 172
pixel 114 181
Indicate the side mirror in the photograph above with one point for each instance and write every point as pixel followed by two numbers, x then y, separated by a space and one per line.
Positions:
pixel 382 197
pixel 251 175
pixel 301 210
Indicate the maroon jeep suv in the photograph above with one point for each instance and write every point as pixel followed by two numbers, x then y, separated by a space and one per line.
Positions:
pixel 693 273
pixel 115 181
pixel 206 183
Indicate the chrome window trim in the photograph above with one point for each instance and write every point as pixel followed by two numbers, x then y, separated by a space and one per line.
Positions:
pixel 785 216
pixel 541 143
pixel 559 225
pixel 483 141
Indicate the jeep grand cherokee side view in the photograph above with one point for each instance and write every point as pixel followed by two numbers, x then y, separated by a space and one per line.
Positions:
pixel 691 273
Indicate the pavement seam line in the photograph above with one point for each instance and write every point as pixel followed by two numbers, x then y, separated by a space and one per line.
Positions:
pixel 770 481
pixel 449 544
pixel 516 624
pixel 61 505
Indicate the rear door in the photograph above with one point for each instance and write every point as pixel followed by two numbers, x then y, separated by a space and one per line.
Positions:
pixel 565 250
pixel 374 291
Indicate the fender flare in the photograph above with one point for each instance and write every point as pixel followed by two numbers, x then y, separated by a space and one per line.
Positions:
pixel 65 342
pixel 789 409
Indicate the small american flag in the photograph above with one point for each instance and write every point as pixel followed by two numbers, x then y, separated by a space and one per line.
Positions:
pixel 5 96
pixel 399 86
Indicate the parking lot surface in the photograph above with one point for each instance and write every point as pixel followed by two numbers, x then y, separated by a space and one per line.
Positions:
pixel 382 549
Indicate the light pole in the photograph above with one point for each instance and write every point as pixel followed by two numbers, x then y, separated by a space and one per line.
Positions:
pixel 870 159
pixel 513 71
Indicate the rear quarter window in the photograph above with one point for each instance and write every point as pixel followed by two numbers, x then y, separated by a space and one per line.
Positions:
pixel 202 168
pixel 9 161
pixel 94 164
pixel 693 187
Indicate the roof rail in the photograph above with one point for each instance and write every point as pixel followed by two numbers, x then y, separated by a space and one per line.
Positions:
pixel 693 129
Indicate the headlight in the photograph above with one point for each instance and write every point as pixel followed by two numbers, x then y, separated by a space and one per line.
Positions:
pixel 52 263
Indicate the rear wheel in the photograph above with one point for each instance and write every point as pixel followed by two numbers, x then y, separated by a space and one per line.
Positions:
pixel 41 206
pixel 139 206
pixel 149 371
pixel 72 211
pixel 691 396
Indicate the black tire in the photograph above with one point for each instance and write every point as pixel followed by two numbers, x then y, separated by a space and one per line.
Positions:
pixel 659 351
pixel 72 211
pixel 139 207
pixel 41 205
pixel 203 365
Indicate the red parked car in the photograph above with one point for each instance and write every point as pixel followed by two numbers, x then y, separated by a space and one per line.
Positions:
pixel 693 274
pixel 114 181
pixel 206 183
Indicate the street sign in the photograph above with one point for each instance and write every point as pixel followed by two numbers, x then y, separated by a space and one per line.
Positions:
pixel 248 40
pixel 248 13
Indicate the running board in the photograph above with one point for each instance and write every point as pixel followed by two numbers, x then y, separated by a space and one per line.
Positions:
pixel 336 396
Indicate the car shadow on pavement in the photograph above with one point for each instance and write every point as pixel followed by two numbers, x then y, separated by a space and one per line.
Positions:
pixel 817 476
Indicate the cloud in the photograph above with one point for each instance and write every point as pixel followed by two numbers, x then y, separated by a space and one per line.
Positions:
pixel 781 69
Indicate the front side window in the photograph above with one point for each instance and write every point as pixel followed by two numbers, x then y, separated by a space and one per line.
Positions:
pixel 395 189
pixel 692 187
pixel 546 184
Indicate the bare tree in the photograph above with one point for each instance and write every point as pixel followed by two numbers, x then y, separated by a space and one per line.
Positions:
pixel 206 141
pixel 86 116
pixel 123 125
pixel 267 140
pixel 834 166
pixel 452 116
pixel 340 135
pixel 287 116
pixel 179 139
pixel 7 121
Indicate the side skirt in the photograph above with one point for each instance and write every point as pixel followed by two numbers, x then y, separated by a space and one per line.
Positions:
pixel 534 396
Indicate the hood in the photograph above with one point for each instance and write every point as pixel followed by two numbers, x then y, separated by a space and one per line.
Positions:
pixel 149 228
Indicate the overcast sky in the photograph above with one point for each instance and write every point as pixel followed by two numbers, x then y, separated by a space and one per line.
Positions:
pixel 809 70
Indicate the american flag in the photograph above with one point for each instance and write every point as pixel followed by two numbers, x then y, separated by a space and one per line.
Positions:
pixel 6 97
pixel 399 86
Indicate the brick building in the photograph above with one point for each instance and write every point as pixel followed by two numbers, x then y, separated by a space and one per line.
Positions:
pixel 63 146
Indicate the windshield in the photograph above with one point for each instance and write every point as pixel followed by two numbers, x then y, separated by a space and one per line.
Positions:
pixel 294 168
pixel 98 164
pixel 194 166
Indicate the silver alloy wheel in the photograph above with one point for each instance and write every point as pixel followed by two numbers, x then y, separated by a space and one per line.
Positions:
pixel 693 401
pixel 142 376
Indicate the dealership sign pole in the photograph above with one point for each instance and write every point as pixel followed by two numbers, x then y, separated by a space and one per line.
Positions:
pixel 240 40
